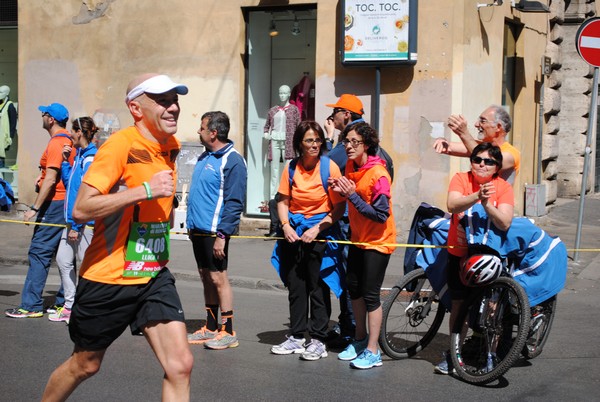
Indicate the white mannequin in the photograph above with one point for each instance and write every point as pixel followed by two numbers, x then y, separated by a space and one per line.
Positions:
pixel 8 122
pixel 277 131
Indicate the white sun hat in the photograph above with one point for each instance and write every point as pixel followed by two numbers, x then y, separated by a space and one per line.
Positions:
pixel 159 84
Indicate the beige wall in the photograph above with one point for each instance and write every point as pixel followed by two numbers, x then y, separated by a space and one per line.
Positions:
pixel 201 43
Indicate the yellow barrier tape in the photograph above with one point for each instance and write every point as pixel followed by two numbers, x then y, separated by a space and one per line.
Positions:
pixel 400 245
pixel 38 223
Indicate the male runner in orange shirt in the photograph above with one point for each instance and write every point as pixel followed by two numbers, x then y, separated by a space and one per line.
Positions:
pixel 129 191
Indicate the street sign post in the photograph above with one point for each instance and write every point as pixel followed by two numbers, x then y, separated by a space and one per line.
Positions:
pixel 587 42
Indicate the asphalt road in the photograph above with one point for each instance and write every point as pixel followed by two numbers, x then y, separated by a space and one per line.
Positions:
pixel 567 370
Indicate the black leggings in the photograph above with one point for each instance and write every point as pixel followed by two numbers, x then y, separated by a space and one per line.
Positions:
pixel 366 270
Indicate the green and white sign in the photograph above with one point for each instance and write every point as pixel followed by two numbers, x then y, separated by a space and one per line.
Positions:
pixel 378 31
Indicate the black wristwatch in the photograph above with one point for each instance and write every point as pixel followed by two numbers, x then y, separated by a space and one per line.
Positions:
pixel 34 209
pixel 330 140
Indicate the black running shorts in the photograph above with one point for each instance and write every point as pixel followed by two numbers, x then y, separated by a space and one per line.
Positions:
pixel 203 252
pixel 101 312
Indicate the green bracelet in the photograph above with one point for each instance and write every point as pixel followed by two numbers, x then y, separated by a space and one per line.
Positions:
pixel 148 191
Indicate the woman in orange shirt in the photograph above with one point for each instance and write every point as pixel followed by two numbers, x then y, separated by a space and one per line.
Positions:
pixel 367 186
pixel 307 211
pixel 480 185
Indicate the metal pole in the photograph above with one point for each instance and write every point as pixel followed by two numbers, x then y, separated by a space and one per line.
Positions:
pixel 375 120
pixel 586 160
pixel 540 131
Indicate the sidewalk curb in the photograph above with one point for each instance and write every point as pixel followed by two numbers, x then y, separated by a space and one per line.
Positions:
pixel 237 282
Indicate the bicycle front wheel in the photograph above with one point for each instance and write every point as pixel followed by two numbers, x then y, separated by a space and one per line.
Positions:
pixel 412 315
pixel 490 332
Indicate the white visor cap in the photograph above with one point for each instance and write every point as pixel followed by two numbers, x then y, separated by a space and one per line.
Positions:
pixel 158 84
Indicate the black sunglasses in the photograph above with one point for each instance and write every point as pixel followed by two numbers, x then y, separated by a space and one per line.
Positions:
pixel 486 161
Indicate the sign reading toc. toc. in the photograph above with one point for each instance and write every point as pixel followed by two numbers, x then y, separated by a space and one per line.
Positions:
pixel 587 41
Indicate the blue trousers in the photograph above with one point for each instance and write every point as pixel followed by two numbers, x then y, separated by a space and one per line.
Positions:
pixel 346 318
pixel 44 244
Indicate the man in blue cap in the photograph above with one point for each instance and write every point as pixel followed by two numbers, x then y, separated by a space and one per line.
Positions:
pixel 48 207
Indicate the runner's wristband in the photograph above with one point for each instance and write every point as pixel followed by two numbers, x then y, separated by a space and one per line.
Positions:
pixel 284 223
pixel 221 235
pixel 148 191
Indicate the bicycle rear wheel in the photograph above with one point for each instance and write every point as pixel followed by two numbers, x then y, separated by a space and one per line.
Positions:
pixel 412 315
pixel 542 316
pixel 498 324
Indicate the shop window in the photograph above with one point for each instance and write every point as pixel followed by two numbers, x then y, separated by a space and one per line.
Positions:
pixel 280 52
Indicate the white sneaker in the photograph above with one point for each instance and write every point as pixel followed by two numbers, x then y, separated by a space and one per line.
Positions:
pixel 314 350
pixel 291 345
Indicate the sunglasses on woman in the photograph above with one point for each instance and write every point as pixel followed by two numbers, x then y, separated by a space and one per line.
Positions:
pixel 487 161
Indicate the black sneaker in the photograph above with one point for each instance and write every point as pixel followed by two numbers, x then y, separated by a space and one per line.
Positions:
pixel 54 308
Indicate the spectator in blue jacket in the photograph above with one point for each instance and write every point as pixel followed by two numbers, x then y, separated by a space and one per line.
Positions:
pixel 216 201
pixel 76 237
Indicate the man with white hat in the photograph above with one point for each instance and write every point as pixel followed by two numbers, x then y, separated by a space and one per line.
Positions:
pixel 129 191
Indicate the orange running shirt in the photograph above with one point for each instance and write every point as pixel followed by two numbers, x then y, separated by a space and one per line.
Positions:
pixel 125 160
pixel 466 184
pixel 52 158
pixel 307 195
pixel 362 229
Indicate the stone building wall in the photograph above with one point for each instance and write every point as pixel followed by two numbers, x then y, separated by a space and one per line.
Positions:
pixel 572 80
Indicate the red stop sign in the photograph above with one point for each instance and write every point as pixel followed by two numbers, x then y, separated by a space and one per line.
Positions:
pixel 587 41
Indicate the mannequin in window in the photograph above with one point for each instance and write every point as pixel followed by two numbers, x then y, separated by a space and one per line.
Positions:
pixel 282 121
pixel 8 122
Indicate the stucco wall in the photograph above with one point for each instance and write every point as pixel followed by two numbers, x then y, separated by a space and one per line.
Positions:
pixel 201 43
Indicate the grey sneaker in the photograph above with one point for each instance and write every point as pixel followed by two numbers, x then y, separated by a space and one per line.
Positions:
pixel 291 345
pixel 201 336
pixel 223 341
pixel 446 366
pixel 314 350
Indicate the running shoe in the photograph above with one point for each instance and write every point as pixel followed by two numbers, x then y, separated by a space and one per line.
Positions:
pixel 201 336
pixel 62 314
pixel 367 360
pixel 22 313
pixel 291 345
pixel 445 366
pixel 222 341
pixel 353 350
pixel 314 350
pixel 53 308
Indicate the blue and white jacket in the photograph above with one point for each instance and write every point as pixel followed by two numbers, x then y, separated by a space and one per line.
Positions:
pixel 72 177
pixel 217 192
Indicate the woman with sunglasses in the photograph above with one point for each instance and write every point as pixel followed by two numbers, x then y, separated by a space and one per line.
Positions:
pixel 480 185
pixel 366 185
pixel 75 238
pixel 308 212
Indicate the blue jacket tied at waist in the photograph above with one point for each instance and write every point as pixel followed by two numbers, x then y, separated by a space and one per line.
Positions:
pixel 331 271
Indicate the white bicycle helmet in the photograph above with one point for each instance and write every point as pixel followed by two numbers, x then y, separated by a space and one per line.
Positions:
pixel 480 269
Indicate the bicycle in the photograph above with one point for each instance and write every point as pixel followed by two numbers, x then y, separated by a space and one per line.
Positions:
pixel 542 317
pixel 497 335
pixel 498 317
pixel 412 315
